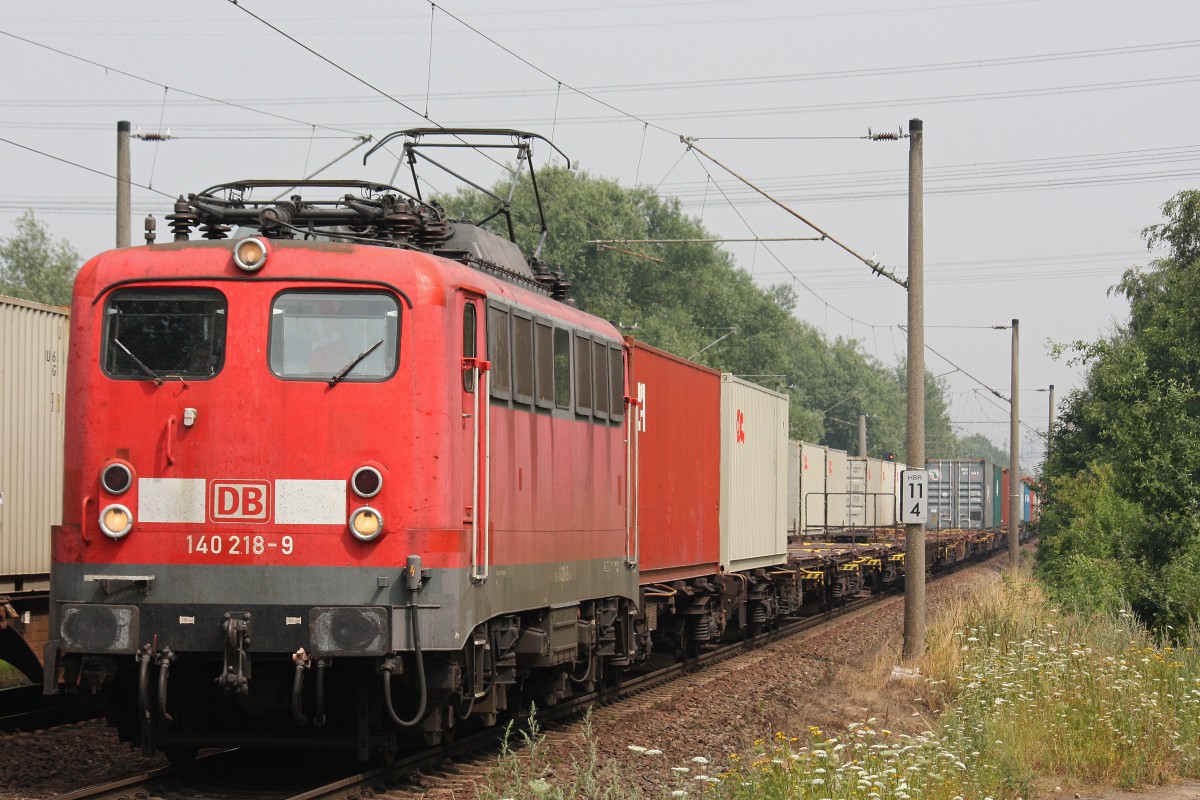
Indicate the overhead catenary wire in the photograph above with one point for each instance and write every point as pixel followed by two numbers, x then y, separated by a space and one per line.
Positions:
pixel 81 166
pixel 330 61
pixel 678 86
pixel 1022 422
pixel 546 74
pixel 207 98
pixel 871 263
pixel 985 385
pixel 1075 162
pixel 647 125
pixel 771 252
pixel 660 120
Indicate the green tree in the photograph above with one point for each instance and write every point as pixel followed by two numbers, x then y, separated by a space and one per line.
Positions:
pixel 35 267
pixel 1136 420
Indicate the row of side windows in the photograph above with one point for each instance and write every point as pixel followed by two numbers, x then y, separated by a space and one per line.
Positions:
pixel 534 363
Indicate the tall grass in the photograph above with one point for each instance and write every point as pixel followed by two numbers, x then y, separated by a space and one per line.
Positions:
pixel 530 772
pixel 1029 696
pixel 1087 699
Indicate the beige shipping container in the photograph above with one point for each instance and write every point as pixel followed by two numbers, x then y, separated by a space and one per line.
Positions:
pixel 33 359
pixel 754 469
pixel 794 512
pixel 864 501
pixel 885 497
pixel 806 488
pixel 813 468
pixel 837 484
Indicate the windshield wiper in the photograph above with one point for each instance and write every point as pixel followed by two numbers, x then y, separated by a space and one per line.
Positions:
pixel 354 362
pixel 138 361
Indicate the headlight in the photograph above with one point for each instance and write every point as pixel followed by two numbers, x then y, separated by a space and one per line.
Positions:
pixel 116 478
pixel 366 481
pixel 250 254
pixel 366 524
pixel 116 521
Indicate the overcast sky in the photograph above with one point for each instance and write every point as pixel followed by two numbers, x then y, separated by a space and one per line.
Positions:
pixel 1054 130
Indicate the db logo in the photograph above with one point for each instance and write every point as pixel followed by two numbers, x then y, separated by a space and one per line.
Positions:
pixel 243 501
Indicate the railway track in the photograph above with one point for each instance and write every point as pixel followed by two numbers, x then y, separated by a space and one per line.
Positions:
pixel 25 708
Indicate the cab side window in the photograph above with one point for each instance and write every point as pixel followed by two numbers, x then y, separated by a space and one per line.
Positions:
pixel 500 352
pixel 468 349
pixel 543 349
pixel 522 352
pixel 583 375
pixel 562 368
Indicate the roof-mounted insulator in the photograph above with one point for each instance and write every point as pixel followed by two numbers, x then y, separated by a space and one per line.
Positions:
pixel 150 225
pixel 214 230
pixel 182 220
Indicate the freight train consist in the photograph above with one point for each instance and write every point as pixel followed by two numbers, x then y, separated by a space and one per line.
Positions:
pixel 345 473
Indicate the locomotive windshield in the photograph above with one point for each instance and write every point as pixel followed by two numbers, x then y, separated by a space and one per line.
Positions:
pixel 154 334
pixel 334 336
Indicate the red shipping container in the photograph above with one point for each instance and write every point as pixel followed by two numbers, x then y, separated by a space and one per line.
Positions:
pixel 676 444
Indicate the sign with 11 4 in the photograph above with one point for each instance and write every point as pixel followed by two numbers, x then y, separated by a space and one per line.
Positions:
pixel 914 501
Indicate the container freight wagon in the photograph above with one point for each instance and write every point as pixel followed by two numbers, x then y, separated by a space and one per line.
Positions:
pixel 676 508
pixel 754 470
pixel 33 353
pixel 962 494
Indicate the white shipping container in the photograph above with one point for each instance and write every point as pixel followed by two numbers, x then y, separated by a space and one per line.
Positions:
pixel 754 473
pixel 837 483
pixel 858 499
pixel 813 468
pixel 33 360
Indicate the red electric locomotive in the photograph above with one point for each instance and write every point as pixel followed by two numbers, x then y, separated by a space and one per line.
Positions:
pixel 340 472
